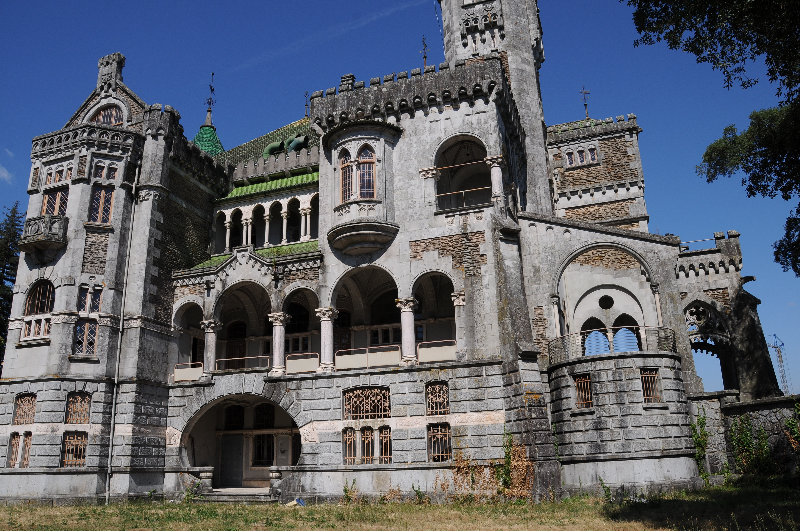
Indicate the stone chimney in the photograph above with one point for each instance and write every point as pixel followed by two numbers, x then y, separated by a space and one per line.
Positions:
pixel 110 71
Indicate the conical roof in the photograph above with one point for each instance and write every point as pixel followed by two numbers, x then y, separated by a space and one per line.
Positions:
pixel 207 139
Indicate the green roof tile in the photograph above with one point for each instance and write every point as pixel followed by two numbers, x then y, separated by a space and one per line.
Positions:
pixel 292 248
pixel 215 261
pixel 287 183
pixel 255 148
pixel 207 140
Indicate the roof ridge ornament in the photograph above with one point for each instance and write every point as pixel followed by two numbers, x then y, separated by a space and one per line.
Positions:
pixel 110 71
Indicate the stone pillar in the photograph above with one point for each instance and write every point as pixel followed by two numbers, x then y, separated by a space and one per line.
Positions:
pixel 266 230
pixel 228 236
pixel 407 324
pixel 326 317
pixel 278 321
pixel 458 305
pixel 496 165
pixel 306 225
pixel 246 231
pixel 210 356
pixel 654 288
pixel 285 216
pixel 556 321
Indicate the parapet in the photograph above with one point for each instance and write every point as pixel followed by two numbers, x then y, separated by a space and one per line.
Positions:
pixel 582 129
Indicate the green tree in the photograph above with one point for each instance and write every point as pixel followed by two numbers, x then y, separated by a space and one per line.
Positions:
pixel 10 233
pixel 731 36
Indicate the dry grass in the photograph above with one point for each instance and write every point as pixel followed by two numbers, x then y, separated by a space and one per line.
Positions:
pixel 749 506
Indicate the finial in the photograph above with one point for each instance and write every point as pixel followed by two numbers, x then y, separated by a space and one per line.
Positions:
pixel 424 53
pixel 211 101
pixel 585 94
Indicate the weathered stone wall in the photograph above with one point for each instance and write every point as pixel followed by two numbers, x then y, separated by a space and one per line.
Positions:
pixel 463 248
pixel 95 253
pixel 601 212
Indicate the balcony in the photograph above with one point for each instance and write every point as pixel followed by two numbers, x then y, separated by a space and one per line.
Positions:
pixel 611 341
pixel 360 228
pixel 44 233
pixel 475 198
pixel 367 358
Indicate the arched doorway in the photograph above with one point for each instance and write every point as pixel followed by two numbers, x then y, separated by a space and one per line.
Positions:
pixel 242 436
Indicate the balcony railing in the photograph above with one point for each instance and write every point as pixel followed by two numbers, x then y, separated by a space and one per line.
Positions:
pixel 187 372
pixel 431 351
pixel 365 358
pixel 476 197
pixel 611 340
pixel 248 362
pixel 44 232
pixel 304 362
pixel 36 327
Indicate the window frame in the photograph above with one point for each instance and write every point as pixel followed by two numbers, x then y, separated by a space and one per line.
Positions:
pixel 60 197
pixel 97 117
pixel 441 430
pixel 84 337
pixel 358 176
pixel 101 195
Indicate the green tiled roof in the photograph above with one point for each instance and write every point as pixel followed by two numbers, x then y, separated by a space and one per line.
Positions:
pixel 287 183
pixel 207 140
pixel 255 148
pixel 215 261
pixel 292 248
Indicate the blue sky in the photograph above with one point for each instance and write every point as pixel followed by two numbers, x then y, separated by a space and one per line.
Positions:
pixel 267 54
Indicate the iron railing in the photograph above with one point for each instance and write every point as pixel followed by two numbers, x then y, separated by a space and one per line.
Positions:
pixel 475 197
pixel 611 340
pixel 650 390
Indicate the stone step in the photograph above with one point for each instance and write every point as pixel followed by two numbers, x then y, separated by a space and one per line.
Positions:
pixel 245 496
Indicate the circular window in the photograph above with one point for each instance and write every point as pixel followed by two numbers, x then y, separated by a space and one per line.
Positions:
pixel 606 302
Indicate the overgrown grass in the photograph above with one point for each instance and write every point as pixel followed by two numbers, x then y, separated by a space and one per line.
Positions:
pixel 752 504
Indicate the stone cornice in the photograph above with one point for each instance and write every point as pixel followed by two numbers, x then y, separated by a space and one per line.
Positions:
pixel 594 227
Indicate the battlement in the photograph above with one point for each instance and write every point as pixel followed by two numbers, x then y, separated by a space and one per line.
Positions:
pixel 279 164
pixel 583 129
pixel 724 257
pixel 407 92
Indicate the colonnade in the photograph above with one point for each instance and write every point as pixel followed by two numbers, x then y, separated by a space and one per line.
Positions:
pixel 248 237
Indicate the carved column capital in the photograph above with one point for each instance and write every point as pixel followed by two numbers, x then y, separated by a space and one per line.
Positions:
pixel 554 299
pixel 327 314
pixel 496 161
pixel 228 225
pixel 458 298
pixel 654 287
pixel 279 318
pixel 430 173
pixel 211 326
pixel 285 214
pixel 406 305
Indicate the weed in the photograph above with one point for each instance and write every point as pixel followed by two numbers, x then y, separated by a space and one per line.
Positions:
pixel 793 429
pixel 351 493
pixel 420 498
pixel 700 437
pixel 751 454
pixel 193 492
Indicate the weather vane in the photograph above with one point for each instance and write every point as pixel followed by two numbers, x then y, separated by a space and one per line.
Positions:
pixel 424 53
pixel 585 94
pixel 211 101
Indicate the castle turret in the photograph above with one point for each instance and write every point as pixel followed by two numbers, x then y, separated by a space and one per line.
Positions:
pixel 207 139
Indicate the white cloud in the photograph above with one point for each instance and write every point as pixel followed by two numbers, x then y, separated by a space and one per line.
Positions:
pixel 9 153
pixel 4 175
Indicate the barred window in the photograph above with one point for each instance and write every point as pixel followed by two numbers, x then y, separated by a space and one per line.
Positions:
pixel 583 391
pixel 73 449
pixel 264 450
pixel 99 169
pixel 581 157
pixel 78 406
pixel 367 445
pixel 54 202
pixel 366 173
pixel 570 159
pixel 41 298
pixel 89 299
pixel 297 448
pixel 111 174
pixel 264 417
pixel 234 418
pixel 25 458
pixel 650 387
pixel 438 398
pixel 439 448
pixel 86 338
pixel 24 409
pixel 385 436
pixel 108 116
pixel 102 199
pixel 13 450
pixel 349 446
pixel 347 175
pixel 366 403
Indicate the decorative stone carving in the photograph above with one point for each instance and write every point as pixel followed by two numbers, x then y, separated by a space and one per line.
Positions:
pixel 279 318
pixel 46 232
pixel 458 298
pixel 210 326
pixel 327 314
pixel 496 161
pixel 407 305
pixel 430 173
pixel 147 195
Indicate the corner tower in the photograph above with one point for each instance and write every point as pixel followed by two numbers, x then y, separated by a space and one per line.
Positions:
pixel 512 28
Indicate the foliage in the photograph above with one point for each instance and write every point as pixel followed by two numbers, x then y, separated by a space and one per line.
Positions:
pixel 700 437
pixel 503 469
pixel 793 429
pixel 420 498
pixel 193 492
pixel 351 493
pixel 751 454
pixel 10 233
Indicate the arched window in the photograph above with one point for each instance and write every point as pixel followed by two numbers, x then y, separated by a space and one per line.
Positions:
pixel 108 116
pixel 38 307
pixel 347 175
pixel 626 334
pixel 264 417
pixel 594 338
pixel 366 173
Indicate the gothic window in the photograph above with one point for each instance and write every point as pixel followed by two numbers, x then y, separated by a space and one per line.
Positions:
pixel 234 418
pixel 38 306
pixel 99 170
pixel 347 175
pixel 89 299
pixel 366 403
pixel 108 116
pixel 570 159
pixel 594 338
pixel 439 447
pixel 264 417
pixel 650 386
pixel 102 199
pixel 583 391
pixel 73 449
pixel 264 450
pixel 366 173
pixel 385 436
pixel 349 446
pixel 78 406
pixel 626 335
pixel 24 409
pixel 437 398
pixel 367 445
pixel 85 338
pixel 54 202
pixel 61 174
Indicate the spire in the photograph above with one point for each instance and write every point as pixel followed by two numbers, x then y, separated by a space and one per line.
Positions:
pixel 207 139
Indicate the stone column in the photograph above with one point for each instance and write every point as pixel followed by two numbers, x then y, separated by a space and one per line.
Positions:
pixel 246 231
pixel 326 317
pixel 285 216
pixel 210 355
pixel 227 236
pixel 278 321
pixel 496 165
pixel 266 230
pixel 407 325
pixel 306 232
pixel 458 305
pixel 556 321
pixel 654 288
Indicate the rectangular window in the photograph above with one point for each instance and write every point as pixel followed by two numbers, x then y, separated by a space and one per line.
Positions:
pixel 385 434
pixel 592 154
pixel 439 449
pixel 438 399
pixel 73 450
pixel 89 300
pixel 78 406
pixel 264 450
pixel 349 446
pixel 13 450
pixel 375 337
pixel 650 390
pixel 367 445
pixel 99 169
pixel 111 174
pixel 581 157
pixel 305 346
pixel 25 458
pixel 366 403
pixel 102 198
pixel 347 182
pixel 24 409
pixel 366 181
pixel 583 391
pixel 85 338
pixel 386 336
pixel 419 333
pixel 68 177
pixel 49 179
pixel 54 202
pixel 570 159
pixel 59 175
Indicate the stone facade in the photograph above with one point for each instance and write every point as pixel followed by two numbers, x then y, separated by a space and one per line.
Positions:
pixel 404 276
